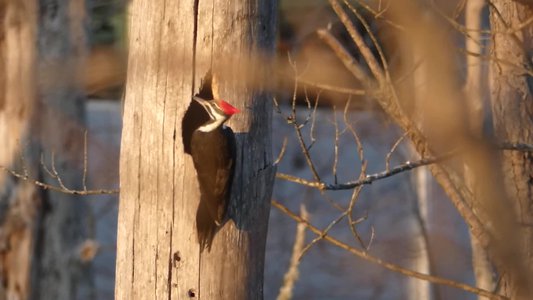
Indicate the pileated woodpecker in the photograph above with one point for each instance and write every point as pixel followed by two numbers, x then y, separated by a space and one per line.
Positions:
pixel 213 154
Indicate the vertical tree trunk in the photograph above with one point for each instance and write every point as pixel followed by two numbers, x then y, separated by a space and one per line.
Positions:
pixel 422 184
pixel 512 107
pixel 41 231
pixel 173 45
pixel 18 200
pixel 474 87
pixel 59 272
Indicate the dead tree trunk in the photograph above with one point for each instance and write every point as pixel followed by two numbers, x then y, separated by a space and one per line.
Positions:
pixel 512 107
pixel 173 45
pixel 41 231
pixel 18 200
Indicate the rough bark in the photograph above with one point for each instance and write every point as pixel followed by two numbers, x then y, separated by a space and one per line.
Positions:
pixel 18 200
pixel 41 231
pixel 173 45
pixel 512 107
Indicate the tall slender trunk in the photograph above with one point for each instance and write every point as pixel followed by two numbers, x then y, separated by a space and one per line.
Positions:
pixel 18 199
pixel 173 45
pixel 475 81
pixel 42 231
pixel 512 108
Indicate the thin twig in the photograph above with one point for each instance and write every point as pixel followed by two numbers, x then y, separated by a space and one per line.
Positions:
pixel 292 274
pixel 305 151
pixel 292 120
pixel 350 127
pixel 382 11
pixel 84 180
pixel 492 57
pixel 313 122
pixel 277 108
pixel 301 181
pixel 353 200
pixel 282 151
pixel 378 15
pixel 371 61
pixel 335 145
pixel 323 234
pixel 56 174
pixel 60 189
pixel 45 167
pixel 310 112
pixel 367 53
pixel 389 155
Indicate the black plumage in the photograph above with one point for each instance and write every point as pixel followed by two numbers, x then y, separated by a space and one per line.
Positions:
pixel 213 154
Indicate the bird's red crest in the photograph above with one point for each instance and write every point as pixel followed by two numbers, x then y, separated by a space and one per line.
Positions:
pixel 228 108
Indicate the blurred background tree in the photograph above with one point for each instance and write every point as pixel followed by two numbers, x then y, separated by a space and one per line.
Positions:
pixel 44 233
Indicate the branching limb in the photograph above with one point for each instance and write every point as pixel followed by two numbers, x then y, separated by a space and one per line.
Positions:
pixel 395 268
pixel 368 179
pixel 61 189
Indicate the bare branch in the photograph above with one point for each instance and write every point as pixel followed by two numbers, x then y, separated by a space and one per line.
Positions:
pixel 368 179
pixel 305 150
pixel 359 41
pixel 395 268
pixel 407 166
pixel 281 152
pixel 313 122
pixel 323 234
pixel 292 274
pixel 351 128
pixel 378 14
pixel 61 189
pixel 313 184
pixel 84 180
pixel 335 145
pixel 393 148
pixel 56 174
pixel 353 200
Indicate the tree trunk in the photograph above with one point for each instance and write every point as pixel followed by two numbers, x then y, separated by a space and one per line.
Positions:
pixel 474 88
pixel 42 231
pixel 18 200
pixel 59 271
pixel 173 45
pixel 512 107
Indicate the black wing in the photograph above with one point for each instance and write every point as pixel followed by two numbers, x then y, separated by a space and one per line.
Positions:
pixel 213 156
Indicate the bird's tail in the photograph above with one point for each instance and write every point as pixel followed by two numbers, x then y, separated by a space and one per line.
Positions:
pixel 205 227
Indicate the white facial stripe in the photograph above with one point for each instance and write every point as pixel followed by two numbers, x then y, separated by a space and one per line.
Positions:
pixel 210 126
pixel 214 111
pixel 209 111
